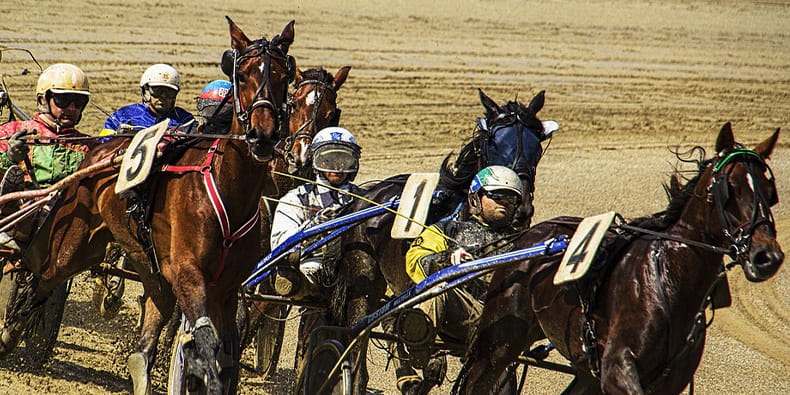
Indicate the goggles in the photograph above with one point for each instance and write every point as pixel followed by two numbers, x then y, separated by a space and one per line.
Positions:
pixel 163 92
pixel 336 159
pixel 502 196
pixel 63 100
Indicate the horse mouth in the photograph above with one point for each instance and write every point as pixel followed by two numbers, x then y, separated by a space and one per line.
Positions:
pixel 261 146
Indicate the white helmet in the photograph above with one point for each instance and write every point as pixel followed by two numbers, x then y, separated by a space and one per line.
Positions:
pixel 335 150
pixel 161 75
pixel 496 178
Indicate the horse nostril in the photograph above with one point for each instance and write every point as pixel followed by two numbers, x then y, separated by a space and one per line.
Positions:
pixel 768 260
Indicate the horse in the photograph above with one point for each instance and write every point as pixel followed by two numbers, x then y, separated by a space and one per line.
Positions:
pixel 636 324
pixel 196 241
pixel 312 106
pixel 509 135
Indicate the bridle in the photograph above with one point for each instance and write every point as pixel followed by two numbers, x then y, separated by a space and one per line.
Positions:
pixel 719 195
pixel 264 96
pixel 307 130
pixel 511 118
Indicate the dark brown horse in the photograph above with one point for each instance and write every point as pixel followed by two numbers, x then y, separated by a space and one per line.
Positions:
pixel 202 252
pixel 510 136
pixel 643 320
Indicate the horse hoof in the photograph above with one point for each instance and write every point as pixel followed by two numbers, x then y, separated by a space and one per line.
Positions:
pixel 138 369
pixel 10 338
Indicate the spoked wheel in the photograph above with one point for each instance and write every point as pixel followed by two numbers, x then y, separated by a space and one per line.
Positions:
pixel 319 364
pixel 42 331
pixel 268 341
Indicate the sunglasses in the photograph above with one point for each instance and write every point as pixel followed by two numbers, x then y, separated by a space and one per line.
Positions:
pixel 63 100
pixel 509 197
pixel 163 92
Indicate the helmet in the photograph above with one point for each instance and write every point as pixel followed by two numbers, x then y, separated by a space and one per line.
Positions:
pixel 63 78
pixel 335 150
pixel 217 119
pixel 161 75
pixel 216 90
pixel 496 178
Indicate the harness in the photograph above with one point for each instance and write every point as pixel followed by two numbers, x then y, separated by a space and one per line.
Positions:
pixel 739 237
pixel 228 237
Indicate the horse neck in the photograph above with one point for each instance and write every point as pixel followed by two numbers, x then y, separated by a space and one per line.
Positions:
pixel 684 273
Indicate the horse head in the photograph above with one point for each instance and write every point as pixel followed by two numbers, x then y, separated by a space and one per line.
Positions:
pixel 313 107
pixel 510 135
pixel 743 190
pixel 260 71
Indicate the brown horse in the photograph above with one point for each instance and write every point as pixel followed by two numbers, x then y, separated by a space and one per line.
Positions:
pixel 510 135
pixel 190 247
pixel 637 324
pixel 312 107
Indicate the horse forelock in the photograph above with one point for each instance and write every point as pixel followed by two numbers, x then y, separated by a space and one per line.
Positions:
pixel 318 74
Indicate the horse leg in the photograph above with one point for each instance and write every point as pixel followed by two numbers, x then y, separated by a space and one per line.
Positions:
pixel 70 253
pixel 200 352
pixel 140 363
pixel 619 374
pixel 494 347
pixel 229 354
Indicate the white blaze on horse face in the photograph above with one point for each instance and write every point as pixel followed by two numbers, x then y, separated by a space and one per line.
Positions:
pixel 304 152
pixel 750 180
pixel 311 98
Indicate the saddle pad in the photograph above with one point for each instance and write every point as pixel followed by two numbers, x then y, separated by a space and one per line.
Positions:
pixel 414 204
pixel 139 157
pixel 582 248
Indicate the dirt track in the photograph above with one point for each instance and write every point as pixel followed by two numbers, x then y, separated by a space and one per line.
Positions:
pixel 625 79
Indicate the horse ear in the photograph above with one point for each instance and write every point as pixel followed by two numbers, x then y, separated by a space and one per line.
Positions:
pixel 340 77
pixel 725 141
pixel 287 36
pixel 536 104
pixel 491 107
pixel 767 147
pixel 238 40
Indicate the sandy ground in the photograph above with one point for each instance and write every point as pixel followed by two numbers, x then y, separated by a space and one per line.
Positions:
pixel 627 81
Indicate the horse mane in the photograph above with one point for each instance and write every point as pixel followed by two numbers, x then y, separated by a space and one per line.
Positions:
pixel 318 74
pixel 677 194
pixel 457 175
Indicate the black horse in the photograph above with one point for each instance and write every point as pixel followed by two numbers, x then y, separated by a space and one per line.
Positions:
pixel 509 135
pixel 636 323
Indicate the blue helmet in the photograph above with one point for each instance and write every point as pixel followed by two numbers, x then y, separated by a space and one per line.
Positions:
pixel 216 90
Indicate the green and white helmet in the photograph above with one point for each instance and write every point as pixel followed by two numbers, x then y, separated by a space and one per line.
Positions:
pixel 497 178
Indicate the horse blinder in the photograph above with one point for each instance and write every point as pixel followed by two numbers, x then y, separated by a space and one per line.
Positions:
pixel 228 62
pixel 334 120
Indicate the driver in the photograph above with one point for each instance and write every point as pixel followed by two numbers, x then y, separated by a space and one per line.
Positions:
pixel 335 157
pixel 214 112
pixel 494 194
pixel 62 92
pixel 159 87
